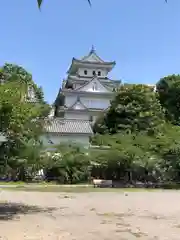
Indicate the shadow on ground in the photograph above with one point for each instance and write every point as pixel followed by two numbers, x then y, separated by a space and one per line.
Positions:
pixel 9 211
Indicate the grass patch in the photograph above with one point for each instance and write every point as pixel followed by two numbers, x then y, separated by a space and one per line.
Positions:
pixel 11 183
pixel 25 184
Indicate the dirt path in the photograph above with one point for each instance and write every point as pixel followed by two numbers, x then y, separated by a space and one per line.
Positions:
pixel 90 216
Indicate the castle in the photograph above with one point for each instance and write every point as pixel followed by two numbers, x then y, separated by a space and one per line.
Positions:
pixel 85 94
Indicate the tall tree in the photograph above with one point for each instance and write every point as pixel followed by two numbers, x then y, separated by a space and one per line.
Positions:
pixel 168 89
pixel 21 121
pixel 12 72
pixel 135 108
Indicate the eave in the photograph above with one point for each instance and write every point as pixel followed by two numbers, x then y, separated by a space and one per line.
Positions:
pixel 78 101
pixel 83 110
pixel 75 60
pixel 94 78
pixel 68 126
pixel 68 133
pixel 83 80
pixel 68 92
pixel 88 78
pixel 86 64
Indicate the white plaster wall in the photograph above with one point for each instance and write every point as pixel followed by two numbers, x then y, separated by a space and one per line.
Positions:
pixel 70 100
pixel 57 139
pixel 78 115
pixel 89 116
pixel 90 72
pixel 89 102
pixel 95 102
pixel 77 85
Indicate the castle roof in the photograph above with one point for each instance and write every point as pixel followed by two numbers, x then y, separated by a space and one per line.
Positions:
pixel 78 105
pixel 92 59
pixel 68 126
pixel 95 79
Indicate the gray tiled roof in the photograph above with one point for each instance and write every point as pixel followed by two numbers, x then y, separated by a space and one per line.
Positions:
pixel 59 125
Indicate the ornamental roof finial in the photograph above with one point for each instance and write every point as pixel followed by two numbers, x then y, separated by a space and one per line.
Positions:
pixel 92 49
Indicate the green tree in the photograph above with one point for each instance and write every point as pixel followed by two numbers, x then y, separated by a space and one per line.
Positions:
pixel 166 146
pixel 12 72
pixel 68 164
pixel 135 108
pixel 154 157
pixel 168 89
pixel 21 121
pixel 128 154
pixel 27 163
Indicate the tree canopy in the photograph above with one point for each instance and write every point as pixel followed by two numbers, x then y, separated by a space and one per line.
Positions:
pixel 135 108
pixel 168 89
pixel 12 72
pixel 138 138
pixel 141 140
pixel 21 120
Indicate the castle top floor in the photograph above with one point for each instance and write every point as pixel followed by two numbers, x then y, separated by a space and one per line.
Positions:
pixel 90 65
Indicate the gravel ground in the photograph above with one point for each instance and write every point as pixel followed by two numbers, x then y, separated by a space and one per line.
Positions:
pixel 90 216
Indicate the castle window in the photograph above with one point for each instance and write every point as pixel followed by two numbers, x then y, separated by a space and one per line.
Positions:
pixel 85 72
pixel 99 73
pixel 94 73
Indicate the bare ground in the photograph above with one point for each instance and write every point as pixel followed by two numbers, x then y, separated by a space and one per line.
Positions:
pixel 90 216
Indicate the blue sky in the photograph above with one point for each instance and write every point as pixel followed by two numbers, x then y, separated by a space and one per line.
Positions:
pixel 142 36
